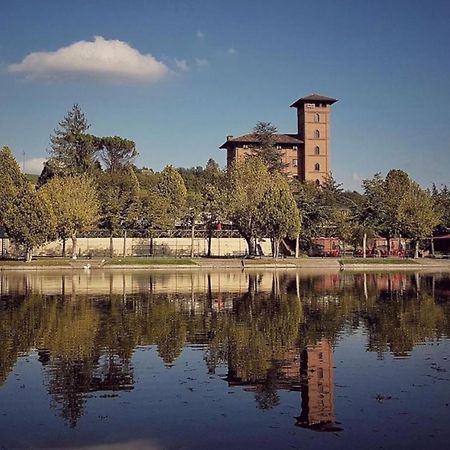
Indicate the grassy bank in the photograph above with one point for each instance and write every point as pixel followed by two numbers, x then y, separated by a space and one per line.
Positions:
pixel 149 261
pixel 80 263
pixel 378 261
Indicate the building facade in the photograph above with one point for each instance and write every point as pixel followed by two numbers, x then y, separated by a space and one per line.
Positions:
pixel 306 154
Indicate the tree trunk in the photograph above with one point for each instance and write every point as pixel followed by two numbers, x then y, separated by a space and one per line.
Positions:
pixel 365 245
pixel 74 246
pixel 416 249
pixel 209 242
pixel 29 255
pixel 389 246
pixel 192 238
pixel 276 242
pixel 432 246
pixel 297 246
pixel 111 244
pixel 124 243
pixel 251 245
pixel 151 247
pixel 63 247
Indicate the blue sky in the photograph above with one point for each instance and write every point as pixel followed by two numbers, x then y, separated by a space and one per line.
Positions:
pixel 199 70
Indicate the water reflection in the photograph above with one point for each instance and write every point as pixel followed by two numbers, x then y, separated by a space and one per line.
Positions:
pixel 271 331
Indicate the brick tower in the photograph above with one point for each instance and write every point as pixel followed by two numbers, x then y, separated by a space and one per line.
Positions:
pixel 313 119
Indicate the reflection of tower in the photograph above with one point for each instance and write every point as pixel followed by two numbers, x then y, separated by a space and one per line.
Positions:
pixel 316 370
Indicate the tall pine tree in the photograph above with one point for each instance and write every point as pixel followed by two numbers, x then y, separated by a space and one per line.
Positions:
pixel 73 151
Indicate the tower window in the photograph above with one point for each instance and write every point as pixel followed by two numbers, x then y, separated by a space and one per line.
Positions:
pixel 317 167
pixel 317 150
pixel 317 134
pixel 295 162
pixel 316 117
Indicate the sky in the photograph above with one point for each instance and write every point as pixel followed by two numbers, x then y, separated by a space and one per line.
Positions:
pixel 178 76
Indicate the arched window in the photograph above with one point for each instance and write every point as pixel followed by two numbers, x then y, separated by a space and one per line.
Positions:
pixel 317 117
pixel 317 182
pixel 317 150
pixel 317 167
pixel 317 134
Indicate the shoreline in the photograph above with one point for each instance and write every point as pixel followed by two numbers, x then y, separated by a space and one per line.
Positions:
pixel 236 264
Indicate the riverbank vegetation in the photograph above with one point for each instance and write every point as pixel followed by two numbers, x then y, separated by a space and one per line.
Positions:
pixel 91 182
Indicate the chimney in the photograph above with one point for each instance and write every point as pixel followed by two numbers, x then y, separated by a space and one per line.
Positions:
pixel 229 138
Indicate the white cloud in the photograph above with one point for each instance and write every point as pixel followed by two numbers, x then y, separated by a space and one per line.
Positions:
pixel 106 59
pixel 33 165
pixel 200 35
pixel 201 62
pixel 232 51
pixel 182 64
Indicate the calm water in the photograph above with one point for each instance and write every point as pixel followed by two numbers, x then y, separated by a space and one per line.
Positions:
pixel 220 360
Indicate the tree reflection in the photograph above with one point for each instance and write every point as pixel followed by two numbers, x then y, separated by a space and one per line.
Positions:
pixel 278 334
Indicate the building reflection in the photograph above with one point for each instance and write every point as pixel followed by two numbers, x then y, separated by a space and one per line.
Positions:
pixel 272 331
pixel 317 387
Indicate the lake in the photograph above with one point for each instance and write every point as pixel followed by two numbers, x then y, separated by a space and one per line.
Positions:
pixel 217 360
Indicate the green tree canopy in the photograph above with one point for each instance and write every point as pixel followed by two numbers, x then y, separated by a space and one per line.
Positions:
pixel 266 147
pixel 73 150
pixel 248 182
pixel 417 214
pixel 26 216
pixel 117 153
pixel 171 187
pixel 261 203
pixel 280 216
pixel 75 203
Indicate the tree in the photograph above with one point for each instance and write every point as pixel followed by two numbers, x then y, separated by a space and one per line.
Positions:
pixel 261 204
pixel 212 172
pixel 73 151
pixel 118 195
pixel 194 208
pixel 215 207
pixel 380 210
pixel 171 187
pixel 280 216
pixel 24 214
pixel 441 200
pixel 332 192
pixel 75 204
pixel 247 185
pixel 11 181
pixel 347 230
pixel 316 212
pixel 151 211
pixel 397 184
pixel 417 214
pixel 117 153
pixel 266 148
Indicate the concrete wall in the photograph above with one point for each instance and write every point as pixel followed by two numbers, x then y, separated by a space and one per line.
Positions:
pixel 161 247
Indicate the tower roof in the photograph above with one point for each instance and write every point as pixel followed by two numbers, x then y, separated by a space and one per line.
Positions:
pixel 312 99
pixel 252 138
